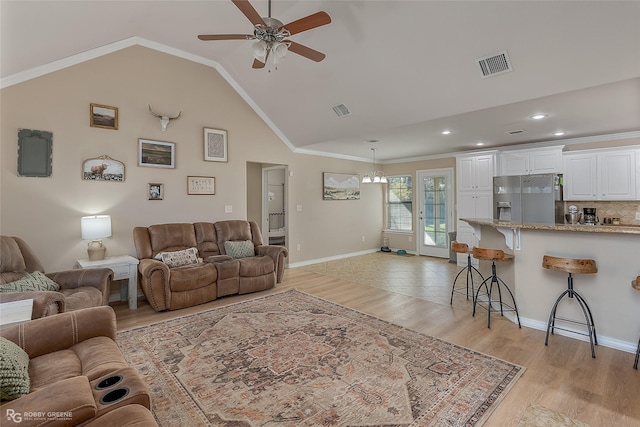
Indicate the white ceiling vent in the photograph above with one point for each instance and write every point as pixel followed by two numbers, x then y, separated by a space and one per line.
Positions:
pixel 341 110
pixel 516 132
pixel 492 65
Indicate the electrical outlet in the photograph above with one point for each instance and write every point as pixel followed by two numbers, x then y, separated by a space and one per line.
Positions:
pixel 363 238
pixel 298 247
pixel 411 238
pixel 228 209
pixel 638 216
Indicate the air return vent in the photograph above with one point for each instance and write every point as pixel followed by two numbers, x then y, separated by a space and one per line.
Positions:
pixel 341 110
pixel 492 65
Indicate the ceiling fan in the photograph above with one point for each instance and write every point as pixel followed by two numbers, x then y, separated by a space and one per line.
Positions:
pixel 272 35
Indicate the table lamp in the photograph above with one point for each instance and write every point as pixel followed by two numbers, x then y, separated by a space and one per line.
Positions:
pixel 95 227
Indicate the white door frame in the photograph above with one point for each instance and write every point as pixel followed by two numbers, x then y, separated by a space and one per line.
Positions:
pixel 430 250
pixel 265 203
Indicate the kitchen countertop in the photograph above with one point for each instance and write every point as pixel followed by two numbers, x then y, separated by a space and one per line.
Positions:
pixel 609 228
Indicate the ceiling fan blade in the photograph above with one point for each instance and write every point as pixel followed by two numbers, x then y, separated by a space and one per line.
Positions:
pixel 248 11
pixel 206 37
pixel 258 64
pixel 318 19
pixel 305 51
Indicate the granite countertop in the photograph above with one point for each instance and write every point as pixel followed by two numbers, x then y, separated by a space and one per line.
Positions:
pixel 609 228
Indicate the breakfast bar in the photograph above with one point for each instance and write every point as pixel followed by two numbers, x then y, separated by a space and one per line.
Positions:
pixel 616 250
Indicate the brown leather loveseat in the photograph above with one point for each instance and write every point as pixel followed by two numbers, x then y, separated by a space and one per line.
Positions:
pixel 78 288
pixel 76 373
pixel 185 264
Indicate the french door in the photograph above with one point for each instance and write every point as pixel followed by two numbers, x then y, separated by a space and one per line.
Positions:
pixel 435 207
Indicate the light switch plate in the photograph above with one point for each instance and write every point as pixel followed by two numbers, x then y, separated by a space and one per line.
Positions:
pixel 638 215
pixel 228 209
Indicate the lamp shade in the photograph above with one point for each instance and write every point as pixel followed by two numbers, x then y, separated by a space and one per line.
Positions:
pixel 95 226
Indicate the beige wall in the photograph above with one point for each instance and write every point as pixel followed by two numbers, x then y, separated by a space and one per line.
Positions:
pixel 46 211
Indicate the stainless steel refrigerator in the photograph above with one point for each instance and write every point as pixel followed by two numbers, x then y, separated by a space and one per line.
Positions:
pixel 529 198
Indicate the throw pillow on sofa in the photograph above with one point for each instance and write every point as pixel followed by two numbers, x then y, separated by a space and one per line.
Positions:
pixel 35 281
pixel 240 249
pixel 179 258
pixel 14 371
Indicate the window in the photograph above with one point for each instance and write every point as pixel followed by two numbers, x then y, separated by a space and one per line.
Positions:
pixel 399 203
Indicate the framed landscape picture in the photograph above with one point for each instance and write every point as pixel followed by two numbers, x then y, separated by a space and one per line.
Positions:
pixel 157 154
pixel 341 186
pixel 103 116
pixel 215 145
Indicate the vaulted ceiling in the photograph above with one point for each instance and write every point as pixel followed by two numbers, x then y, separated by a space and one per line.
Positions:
pixel 406 70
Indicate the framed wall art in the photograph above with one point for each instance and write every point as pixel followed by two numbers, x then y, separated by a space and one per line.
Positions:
pixel 35 151
pixel 201 185
pixel 103 168
pixel 215 145
pixel 103 116
pixel 341 186
pixel 155 191
pixel 157 154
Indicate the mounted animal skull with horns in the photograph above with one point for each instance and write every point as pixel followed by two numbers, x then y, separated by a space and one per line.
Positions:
pixel 164 120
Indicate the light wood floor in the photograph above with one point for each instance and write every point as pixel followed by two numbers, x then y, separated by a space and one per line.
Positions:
pixel 563 377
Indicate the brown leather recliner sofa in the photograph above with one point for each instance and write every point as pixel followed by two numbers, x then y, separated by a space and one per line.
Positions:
pixel 217 274
pixel 77 373
pixel 78 288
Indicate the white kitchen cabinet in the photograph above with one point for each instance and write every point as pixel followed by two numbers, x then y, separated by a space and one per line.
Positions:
pixel 580 176
pixel 527 162
pixel 607 174
pixel 475 173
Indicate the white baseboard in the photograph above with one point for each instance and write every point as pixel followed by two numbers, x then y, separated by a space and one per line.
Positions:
pixel 331 258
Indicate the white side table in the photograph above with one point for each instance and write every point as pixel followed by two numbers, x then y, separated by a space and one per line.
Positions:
pixel 123 267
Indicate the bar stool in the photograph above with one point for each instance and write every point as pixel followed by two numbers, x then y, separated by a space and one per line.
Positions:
pixel 636 285
pixel 572 266
pixel 463 248
pixel 494 255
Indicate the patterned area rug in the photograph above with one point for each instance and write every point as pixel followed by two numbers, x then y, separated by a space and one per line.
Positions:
pixel 292 359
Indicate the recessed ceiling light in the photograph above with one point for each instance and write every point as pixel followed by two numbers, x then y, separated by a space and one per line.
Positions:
pixel 446 132
pixel 559 133
pixel 538 116
pixel 372 141
pixel 479 144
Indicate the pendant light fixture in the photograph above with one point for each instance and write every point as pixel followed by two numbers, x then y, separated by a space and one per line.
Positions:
pixel 374 176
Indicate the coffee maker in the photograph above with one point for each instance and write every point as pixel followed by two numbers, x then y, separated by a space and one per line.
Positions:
pixel 589 216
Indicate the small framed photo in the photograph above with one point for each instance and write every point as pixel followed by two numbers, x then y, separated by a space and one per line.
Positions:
pixel 215 145
pixel 157 154
pixel 155 191
pixel 201 185
pixel 103 116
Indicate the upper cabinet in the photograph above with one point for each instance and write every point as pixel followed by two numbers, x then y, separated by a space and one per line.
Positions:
pixel 534 161
pixel 607 174
pixel 475 172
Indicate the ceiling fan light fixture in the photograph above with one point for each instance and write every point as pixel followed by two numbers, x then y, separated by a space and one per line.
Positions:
pixel 260 50
pixel 366 179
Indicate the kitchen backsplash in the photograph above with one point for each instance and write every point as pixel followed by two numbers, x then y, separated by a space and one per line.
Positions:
pixel 626 211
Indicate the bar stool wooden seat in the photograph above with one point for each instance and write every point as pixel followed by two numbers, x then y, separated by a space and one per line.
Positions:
pixel 469 269
pixel 636 285
pixel 494 255
pixel 572 266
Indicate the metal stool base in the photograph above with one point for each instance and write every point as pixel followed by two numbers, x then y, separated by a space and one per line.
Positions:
pixel 494 279
pixel 635 364
pixel 469 269
pixel 591 327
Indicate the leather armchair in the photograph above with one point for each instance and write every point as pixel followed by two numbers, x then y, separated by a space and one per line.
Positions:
pixel 78 288
pixel 69 354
